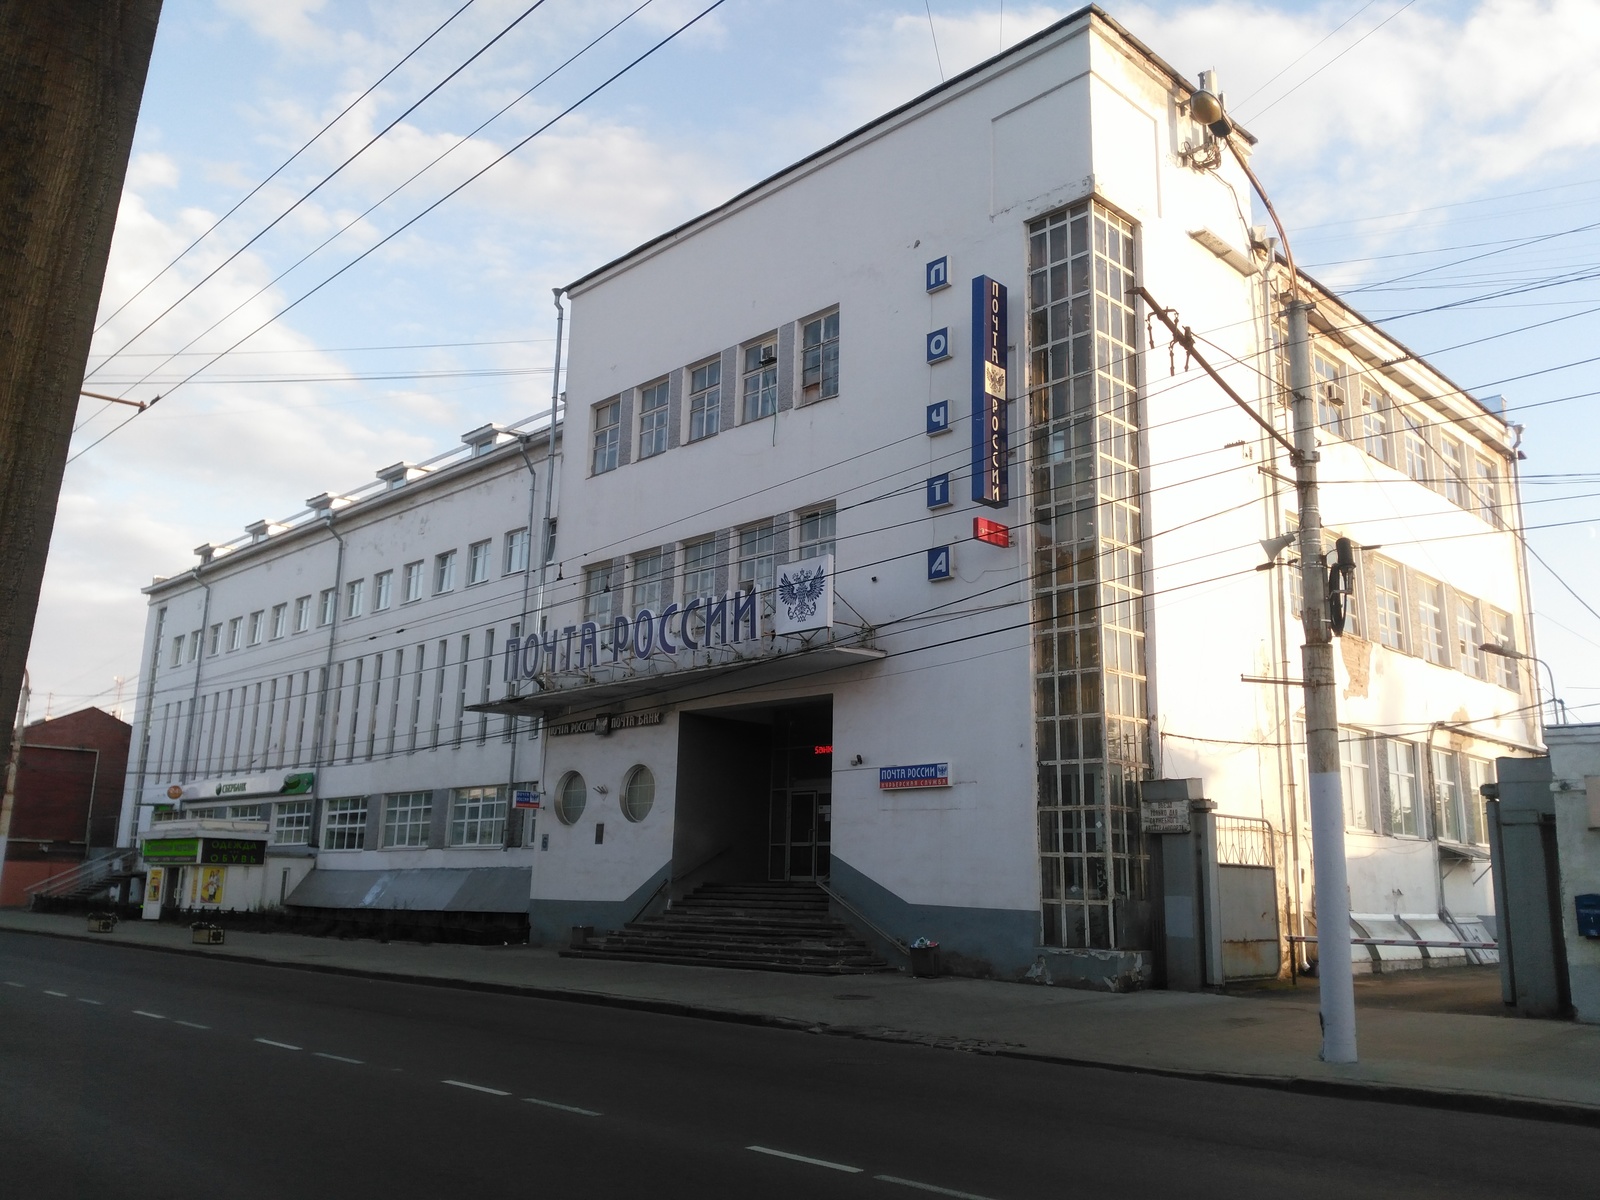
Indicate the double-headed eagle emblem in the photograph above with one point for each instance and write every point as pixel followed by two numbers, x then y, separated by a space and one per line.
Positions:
pixel 801 591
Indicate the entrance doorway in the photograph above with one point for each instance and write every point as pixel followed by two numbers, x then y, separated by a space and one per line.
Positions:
pixel 800 807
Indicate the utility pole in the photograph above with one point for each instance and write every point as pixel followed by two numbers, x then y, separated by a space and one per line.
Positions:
pixel 1336 980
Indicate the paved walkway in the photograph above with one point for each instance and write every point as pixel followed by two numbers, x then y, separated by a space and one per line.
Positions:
pixel 1488 1063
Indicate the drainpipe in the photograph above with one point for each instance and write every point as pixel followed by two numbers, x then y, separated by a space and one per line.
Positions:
pixel 1523 592
pixel 544 528
pixel 194 696
pixel 527 581
pixel 327 670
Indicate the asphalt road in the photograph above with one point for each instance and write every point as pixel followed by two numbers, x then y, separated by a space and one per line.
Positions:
pixel 130 1073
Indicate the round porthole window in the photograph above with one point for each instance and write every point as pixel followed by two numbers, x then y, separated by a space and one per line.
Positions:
pixel 638 794
pixel 571 797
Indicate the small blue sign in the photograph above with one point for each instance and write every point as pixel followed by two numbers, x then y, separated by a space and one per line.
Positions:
pixel 1588 907
pixel 939 274
pixel 939 491
pixel 939 345
pixel 916 775
pixel 939 418
pixel 939 565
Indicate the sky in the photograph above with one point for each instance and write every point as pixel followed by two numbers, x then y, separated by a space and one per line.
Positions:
pixel 1436 161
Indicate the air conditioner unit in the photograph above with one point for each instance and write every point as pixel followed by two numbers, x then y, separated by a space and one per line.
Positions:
pixel 769 355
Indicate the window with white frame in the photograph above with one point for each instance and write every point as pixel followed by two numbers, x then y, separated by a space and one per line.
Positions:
pixel 1502 669
pixel 344 823
pixel 235 632
pixel 411 582
pixel 1355 765
pixel 1375 426
pixel 407 818
pixel 1405 789
pixel 1478 772
pixel 177 651
pixel 291 823
pixel 550 540
pixel 1330 395
pixel 478 817
pixel 816 527
pixel 649 580
pixel 653 419
pixel 597 605
pixel 355 598
pixel 638 793
pixel 1469 636
pixel 280 620
pixel 382 591
pixel 1447 796
pixel 1453 459
pixel 214 638
pixel 819 358
pixel 760 380
pixel 516 551
pixel 1486 486
pixel 705 400
pixel 758 557
pixel 327 607
pixel 699 568
pixel 256 627
pixel 571 798
pixel 478 562
pixel 1388 585
pixel 194 645
pixel 607 436
pixel 1432 639
pixel 1415 453
pixel 444 572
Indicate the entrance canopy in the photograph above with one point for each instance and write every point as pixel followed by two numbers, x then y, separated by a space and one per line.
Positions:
pixel 594 691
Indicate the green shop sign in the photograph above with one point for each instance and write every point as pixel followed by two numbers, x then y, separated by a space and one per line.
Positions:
pixel 171 850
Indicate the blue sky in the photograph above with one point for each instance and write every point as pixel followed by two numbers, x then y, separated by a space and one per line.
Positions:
pixel 1396 139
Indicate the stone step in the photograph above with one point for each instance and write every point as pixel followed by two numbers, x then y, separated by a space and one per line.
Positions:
pixel 726 964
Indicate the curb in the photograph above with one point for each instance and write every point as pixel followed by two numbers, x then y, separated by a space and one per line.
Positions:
pixel 1483 1103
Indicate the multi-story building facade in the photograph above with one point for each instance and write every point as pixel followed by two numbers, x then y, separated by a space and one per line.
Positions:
pixel 923 360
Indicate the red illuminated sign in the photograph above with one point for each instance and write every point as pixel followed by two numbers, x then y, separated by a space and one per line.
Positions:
pixel 992 532
pixel 822 749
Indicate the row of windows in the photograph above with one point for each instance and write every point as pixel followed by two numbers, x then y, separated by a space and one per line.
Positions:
pixel 756 368
pixel 361 596
pixel 1385 789
pixel 1351 407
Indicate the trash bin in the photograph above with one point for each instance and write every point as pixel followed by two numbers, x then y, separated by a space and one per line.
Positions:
pixel 206 934
pixel 100 922
pixel 581 935
pixel 924 958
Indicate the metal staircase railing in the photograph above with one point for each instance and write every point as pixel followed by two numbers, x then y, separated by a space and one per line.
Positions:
pixel 88 876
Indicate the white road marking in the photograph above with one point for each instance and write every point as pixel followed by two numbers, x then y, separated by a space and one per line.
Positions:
pixel 191 1025
pixel 815 1162
pixel 338 1058
pixel 473 1087
pixel 279 1045
pixel 139 1012
pixel 9 983
pixel 582 1112
pixel 48 992
pixel 86 1000
pixel 928 1187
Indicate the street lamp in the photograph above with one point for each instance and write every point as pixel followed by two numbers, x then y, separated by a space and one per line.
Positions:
pixel 1557 709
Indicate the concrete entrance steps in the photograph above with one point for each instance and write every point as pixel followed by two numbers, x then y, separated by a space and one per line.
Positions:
pixel 755 926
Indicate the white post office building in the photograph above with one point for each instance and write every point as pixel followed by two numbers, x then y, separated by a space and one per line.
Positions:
pixel 897 549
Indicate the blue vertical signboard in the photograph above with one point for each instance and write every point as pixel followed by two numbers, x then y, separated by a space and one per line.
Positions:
pixel 990 468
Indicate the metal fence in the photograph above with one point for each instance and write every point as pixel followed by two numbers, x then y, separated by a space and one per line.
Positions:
pixel 1245 842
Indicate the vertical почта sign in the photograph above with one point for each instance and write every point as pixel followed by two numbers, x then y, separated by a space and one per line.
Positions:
pixel 990 469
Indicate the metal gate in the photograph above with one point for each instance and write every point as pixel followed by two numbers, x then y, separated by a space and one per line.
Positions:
pixel 1247 880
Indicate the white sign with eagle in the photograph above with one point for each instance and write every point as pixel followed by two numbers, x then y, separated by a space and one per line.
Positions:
pixel 803 596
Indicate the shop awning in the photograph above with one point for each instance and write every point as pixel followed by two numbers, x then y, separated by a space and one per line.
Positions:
pixel 418 889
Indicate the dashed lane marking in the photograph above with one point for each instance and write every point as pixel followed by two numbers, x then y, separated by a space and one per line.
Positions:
pixel 582 1112
pixel 815 1162
pixel 279 1045
pixel 139 1012
pixel 473 1087
pixel 48 992
pixel 191 1025
pixel 928 1187
pixel 338 1058
pixel 86 1000
pixel 13 983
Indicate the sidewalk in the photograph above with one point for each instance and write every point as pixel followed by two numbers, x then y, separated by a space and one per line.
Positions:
pixel 1542 1069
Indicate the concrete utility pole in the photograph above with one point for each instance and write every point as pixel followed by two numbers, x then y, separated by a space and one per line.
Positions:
pixel 72 75
pixel 1335 977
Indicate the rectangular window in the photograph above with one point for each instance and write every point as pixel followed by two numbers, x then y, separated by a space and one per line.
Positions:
pixel 1405 794
pixel 699 569
pixel 280 620
pixel 1330 396
pixel 355 598
pixel 819 361
pixel 411 581
pixel 177 651
pixel 758 557
pixel 816 532
pixel 257 626
pixel 705 400
pixel 1486 486
pixel 194 645
pixel 344 824
pixel 1469 636
pixel 653 419
pixel 1355 765
pixel 302 614
pixel 516 555
pixel 235 632
pixel 214 639
pixel 550 540
pixel 1447 796
pixel 1478 772
pixel 1416 454
pixel 1375 426
pixel 1453 457
pixel 478 817
pixel 407 818
pixel 760 380
pixel 1386 577
pixel 1431 637
pixel 1502 632
pixel 327 609
pixel 382 590
pixel 597 605
pixel 478 562
pixel 444 572
pixel 649 580
pixel 291 823
pixel 607 436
